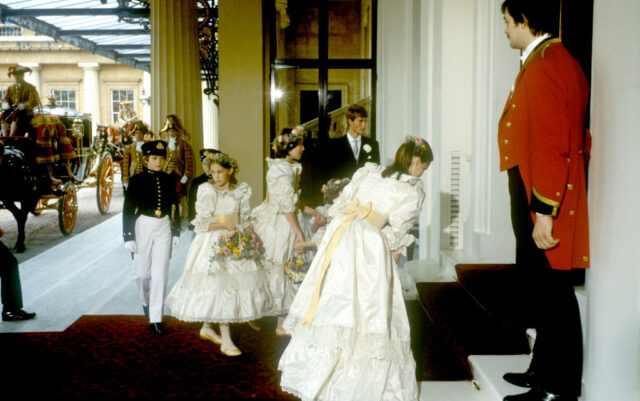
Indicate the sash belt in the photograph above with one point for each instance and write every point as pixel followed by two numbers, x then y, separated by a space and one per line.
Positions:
pixel 227 218
pixel 352 211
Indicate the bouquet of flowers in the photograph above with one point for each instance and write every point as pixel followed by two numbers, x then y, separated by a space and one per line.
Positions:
pixel 298 265
pixel 237 244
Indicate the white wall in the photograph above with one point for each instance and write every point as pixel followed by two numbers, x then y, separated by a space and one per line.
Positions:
pixel 488 233
pixel 444 71
pixel 612 360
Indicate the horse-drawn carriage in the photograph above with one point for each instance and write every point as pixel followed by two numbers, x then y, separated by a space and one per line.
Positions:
pixel 43 167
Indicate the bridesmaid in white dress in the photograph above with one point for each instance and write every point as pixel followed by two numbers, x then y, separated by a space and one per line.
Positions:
pixel 222 290
pixel 279 222
pixel 349 326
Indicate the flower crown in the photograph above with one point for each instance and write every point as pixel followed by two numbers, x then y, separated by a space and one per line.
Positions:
pixel 223 159
pixel 335 184
pixel 286 140
pixel 416 140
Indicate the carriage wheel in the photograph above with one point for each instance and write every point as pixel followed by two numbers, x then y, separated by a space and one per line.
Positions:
pixel 67 208
pixel 104 189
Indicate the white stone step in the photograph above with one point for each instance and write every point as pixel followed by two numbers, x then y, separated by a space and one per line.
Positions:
pixel 489 369
pixel 449 391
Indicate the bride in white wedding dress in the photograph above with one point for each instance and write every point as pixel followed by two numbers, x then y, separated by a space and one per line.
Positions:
pixel 350 332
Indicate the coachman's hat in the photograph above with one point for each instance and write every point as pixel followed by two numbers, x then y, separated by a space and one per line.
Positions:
pixel 154 148
pixel 17 69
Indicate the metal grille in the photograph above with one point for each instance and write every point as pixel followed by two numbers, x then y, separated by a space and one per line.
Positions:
pixel 455 225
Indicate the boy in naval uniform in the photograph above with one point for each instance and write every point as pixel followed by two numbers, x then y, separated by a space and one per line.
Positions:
pixel 150 220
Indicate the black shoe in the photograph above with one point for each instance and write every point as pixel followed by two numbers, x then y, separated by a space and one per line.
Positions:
pixel 158 328
pixel 539 395
pixel 526 379
pixel 15 315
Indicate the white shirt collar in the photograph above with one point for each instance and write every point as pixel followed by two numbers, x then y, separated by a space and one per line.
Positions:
pixel 527 50
pixel 352 140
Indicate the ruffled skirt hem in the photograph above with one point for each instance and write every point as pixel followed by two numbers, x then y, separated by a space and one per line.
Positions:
pixel 226 306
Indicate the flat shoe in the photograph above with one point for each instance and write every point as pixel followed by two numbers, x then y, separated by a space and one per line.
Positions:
pixel 254 326
pixel 230 350
pixel 211 336
pixel 281 332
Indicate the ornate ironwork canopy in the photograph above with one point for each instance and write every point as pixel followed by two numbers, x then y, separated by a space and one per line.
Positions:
pixel 116 29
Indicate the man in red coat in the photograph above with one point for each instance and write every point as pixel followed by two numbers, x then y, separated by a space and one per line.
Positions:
pixel 544 148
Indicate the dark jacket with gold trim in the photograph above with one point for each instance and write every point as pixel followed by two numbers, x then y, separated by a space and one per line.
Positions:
pixel 152 193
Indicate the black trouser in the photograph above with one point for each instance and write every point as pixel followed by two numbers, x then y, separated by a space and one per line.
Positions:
pixel 557 353
pixel 11 290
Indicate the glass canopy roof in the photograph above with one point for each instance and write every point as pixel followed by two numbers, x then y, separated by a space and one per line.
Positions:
pixel 118 29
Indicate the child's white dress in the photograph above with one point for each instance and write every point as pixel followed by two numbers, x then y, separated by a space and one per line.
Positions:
pixel 273 228
pixel 222 290
pixel 357 346
pixel 324 211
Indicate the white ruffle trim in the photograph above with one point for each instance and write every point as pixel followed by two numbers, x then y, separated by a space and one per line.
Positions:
pixel 204 299
pixel 373 345
pixel 335 363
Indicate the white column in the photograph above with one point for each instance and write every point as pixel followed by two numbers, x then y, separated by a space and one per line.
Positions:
pixel 91 94
pixel 175 66
pixel 34 78
pixel 612 358
pixel 209 119
pixel 146 106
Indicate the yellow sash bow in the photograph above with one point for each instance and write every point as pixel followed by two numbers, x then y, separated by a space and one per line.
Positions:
pixel 352 211
pixel 226 218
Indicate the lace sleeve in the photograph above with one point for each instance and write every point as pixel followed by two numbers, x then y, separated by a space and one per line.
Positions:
pixel 402 218
pixel 205 209
pixel 281 191
pixel 245 206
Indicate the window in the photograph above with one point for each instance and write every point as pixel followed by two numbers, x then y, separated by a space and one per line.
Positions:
pixel 322 56
pixel 118 95
pixel 65 98
pixel 10 30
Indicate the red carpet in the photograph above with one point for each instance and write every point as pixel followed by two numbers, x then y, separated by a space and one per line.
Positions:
pixel 118 357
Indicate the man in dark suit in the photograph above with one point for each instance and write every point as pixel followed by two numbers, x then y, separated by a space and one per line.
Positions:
pixel 544 149
pixel 11 290
pixel 353 150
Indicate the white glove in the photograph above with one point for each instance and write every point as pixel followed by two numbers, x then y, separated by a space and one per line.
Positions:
pixel 130 246
pixel 21 106
pixel 175 241
pixel 184 179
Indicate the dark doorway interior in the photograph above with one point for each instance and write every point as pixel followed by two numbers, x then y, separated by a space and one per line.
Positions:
pixel 309 104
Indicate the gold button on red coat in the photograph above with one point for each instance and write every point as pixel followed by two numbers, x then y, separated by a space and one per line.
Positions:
pixel 508 124
pixel 506 141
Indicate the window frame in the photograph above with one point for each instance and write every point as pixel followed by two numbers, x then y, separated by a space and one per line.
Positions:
pixel 323 64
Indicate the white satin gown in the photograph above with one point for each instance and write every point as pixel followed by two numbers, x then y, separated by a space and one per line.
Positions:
pixel 357 346
pixel 223 290
pixel 273 228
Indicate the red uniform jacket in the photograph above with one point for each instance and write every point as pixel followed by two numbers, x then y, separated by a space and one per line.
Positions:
pixel 542 132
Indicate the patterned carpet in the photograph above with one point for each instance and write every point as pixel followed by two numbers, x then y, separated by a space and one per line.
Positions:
pixel 117 357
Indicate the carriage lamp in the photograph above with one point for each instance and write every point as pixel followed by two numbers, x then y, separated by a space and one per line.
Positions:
pixel 78 128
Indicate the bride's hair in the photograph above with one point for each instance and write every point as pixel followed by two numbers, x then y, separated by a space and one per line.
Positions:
pixel 413 146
